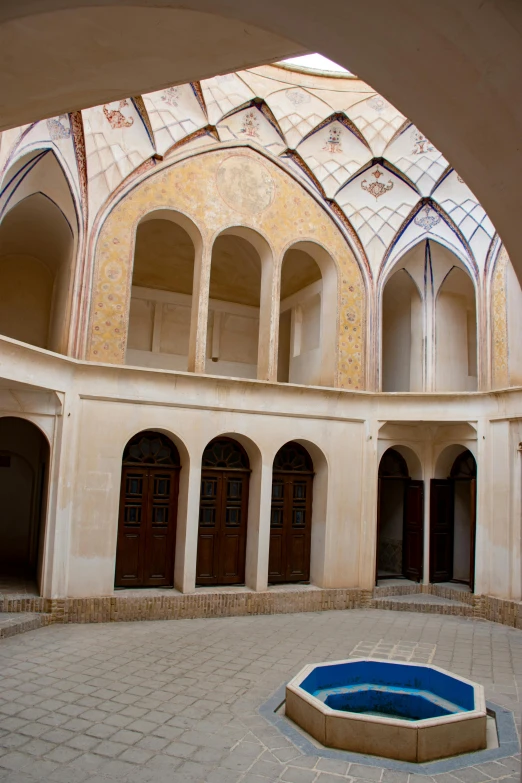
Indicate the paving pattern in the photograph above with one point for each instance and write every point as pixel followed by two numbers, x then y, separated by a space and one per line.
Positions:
pixel 177 701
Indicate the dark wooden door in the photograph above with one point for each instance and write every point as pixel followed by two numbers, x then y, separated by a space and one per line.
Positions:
pixel 290 528
pixel 442 504
pixel 223 515
pixel 472 532
pixel 413 530
pixel 147 527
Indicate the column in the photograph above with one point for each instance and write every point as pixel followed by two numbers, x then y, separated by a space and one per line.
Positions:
pixel 199 312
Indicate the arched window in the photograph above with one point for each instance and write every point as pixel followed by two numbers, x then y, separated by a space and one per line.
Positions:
pixel 456 333
pixel 402 334
pixel 223 513
pixel 148 512
pixel 161 301
pixel 234 307
pixel 307 317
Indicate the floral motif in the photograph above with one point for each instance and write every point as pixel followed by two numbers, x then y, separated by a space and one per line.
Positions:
pixel 250 125
pixel 378 103
pixel 59 127
pixel 420 143
pixel 377 189
pixel 333 142
pixel 171 96
pixel 427 218
pixel 297 97
pixel 115 117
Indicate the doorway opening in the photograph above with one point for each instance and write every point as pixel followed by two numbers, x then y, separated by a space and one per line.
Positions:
pixel 223 514
pixel 148 511
pixel 291 515
pixel 24 465
pixel 453 518
pixel 400 521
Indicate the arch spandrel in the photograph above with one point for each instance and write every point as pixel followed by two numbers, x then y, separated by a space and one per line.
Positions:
pixel 202 187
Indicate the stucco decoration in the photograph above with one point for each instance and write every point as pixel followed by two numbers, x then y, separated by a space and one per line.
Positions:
pixel 190 186
pixel 499 345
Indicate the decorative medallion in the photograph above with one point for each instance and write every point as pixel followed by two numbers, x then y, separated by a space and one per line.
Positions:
pixel 246 185
pixel 426 218
pixel 333 142
pixel 376 189
pixel 420 143
pixel 250 125
pixel 59 127
pixel 378 103
pixel 171 96
pixel 115 117
pixel 297 97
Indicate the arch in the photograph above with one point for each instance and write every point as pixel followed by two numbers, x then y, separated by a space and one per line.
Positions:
pixel 36 251
pixel 400 515
pixel 453 516
pixel 291 515
pixel 167 185
pixel 24 478
pixel 148 511
pixel 239 303
pixel 402 334
pixel 167 249
pixel 456 361
pixel 307 347
pixel 223 513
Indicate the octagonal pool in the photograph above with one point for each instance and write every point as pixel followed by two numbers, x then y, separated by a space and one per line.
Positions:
pixel 406 711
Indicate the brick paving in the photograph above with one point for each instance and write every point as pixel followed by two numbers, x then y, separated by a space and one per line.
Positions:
pixel 177 701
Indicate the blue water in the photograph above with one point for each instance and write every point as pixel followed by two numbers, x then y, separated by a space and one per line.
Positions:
pixel 386 701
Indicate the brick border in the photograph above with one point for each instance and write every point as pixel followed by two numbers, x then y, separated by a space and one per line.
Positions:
pixel 122 608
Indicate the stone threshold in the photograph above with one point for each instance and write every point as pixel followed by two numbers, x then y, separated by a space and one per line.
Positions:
pixel 134 605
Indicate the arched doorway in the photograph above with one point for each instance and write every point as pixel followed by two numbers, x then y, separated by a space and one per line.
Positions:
pixel 453 522
pixel 291 515
pixel 400 521
pixel 148 511
pixel 223 514
pixel 24 460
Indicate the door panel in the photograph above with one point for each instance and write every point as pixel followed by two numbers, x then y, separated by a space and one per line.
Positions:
pixel 290 528
pixel 222 527
pixel 442 505
pixel 473 526
pixel 147 527
pixel 413 530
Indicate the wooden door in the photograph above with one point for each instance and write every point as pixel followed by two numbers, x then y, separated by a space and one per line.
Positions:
pixel 413 530
pixel 442 504
pixel 223 516
pixel 290 528
pixel 472 532
pixel 147 527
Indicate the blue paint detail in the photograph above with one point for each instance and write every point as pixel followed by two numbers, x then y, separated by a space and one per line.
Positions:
pixel 394 689
pixel 509 743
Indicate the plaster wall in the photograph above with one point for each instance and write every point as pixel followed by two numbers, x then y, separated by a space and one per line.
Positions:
pixel 105 405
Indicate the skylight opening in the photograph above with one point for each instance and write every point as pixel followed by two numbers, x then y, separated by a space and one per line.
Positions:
pixel 316 62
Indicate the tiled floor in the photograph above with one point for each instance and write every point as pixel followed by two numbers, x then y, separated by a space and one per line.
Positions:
pixel 177 701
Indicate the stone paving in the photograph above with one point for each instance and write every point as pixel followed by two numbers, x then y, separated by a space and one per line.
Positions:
pixel 177 701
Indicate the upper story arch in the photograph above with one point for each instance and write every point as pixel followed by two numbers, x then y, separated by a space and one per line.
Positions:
pixel 429 326
pixel 220 190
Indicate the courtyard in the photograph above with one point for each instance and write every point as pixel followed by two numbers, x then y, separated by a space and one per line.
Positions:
pixel 178 701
